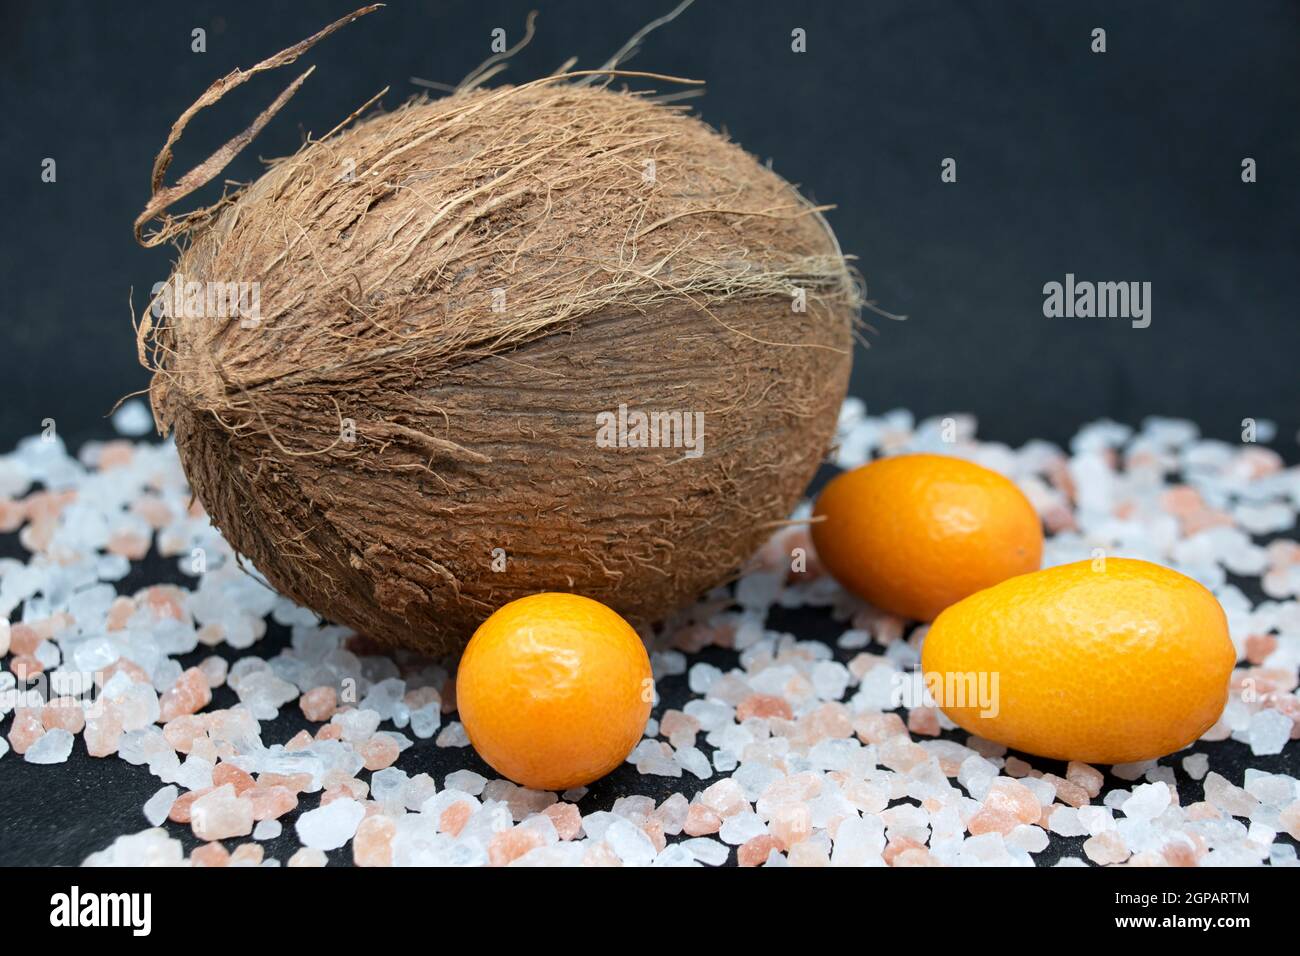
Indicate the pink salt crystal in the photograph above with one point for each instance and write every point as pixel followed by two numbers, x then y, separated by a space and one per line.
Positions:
pixel 211 634
pixel 115 454
pixel 219 814
pixel 23 640
pixel 25 667
pixel 725 797
pixel 828 720
pixel 653 827
pixel 182 731
pixel 808 854
pixel 307 857
pixel 373 843
pixel 1085 776
pixel 600 854
pixel 271 801
pixel 566 818
pixel 339 779
pixel 119 612
pixel 455 817
pixel 27 728
pixel 897 846
pixel 103 733
pixel 1012 798
pixel 1259 647
pixel 754 851
pixel 155 512
pixel 247 854
pixel 700 821
pixel 1289 820
pixel 210 854
pixel 1180 854
pixel 188 695
pixel 924 721
pixel 295 783
pixel 1201 811
pixel 791 823
pixel 421 697
pixel 1106 847
pixel 379 752
pixel 679 728
pixel 1067 791
pixel 214 671
pixel 12 515
pixel 319 703
pixel 901 755
pixel 330 732
pixel 299 741
pixel 228 773
pixel 763 705
pixel 1017 768
pixel 128 544
pixel 64 713
pixel 915 856
pixel 989 820
pixel 877 728
pixel 129 668
pixel 164 601
pixel 509 845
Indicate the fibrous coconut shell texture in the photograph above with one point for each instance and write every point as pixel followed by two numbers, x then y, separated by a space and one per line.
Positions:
pixel 450 294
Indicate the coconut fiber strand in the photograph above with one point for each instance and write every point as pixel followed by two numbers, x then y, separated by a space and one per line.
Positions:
pixel 450 294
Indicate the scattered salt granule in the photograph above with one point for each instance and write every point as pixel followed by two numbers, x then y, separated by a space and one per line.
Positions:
pixel 51 747
pixel 1196 765
pixel 159 805
pixel 330 826
pixel 307 857
pixel 133 418
pixel 221 814
pixel 267 830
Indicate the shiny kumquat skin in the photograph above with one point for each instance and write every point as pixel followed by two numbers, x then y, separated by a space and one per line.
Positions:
pixel 1104 662
pixel 913 534
pixel 554 690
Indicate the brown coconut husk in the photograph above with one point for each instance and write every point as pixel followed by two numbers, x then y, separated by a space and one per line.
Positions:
pixel 475 429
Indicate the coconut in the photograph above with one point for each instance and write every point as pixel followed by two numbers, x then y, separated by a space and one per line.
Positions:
pixel 551 336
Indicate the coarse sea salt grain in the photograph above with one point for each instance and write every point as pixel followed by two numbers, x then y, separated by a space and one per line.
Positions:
pixel 792 751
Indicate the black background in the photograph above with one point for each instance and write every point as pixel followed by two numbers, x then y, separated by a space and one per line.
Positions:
pixel 1117 166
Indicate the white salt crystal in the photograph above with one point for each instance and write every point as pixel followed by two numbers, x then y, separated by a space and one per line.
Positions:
pixel 330 826
pixel 466 781
pixel 709 852
pixel 53 746
pixel 1147 802
pixel 1096 819
pixel 159 805
pixel 1064 821
pixel 424 722
pixel 701 677
pixel 267 830
pixel 630 843
pixel 741 827
pixel 453 735
pixel 675 855
pixel 151 847
pixel 133 418
pixel 858 842
pixel 692 760
pixel 1269 731
pixel 1132 771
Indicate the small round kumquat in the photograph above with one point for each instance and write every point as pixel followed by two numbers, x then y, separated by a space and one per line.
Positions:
pixel 554 690
pixel 913 534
